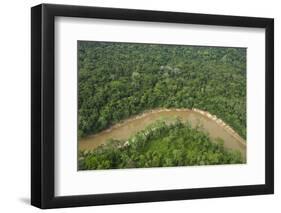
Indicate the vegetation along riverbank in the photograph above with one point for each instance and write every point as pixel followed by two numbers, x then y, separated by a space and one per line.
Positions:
pixel 160 145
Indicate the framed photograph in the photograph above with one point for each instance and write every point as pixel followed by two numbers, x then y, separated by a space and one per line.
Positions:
pixel 139 106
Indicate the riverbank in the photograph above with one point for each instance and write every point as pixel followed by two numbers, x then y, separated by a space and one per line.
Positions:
pixel 212 125
pixel 160 145
pixel 222 124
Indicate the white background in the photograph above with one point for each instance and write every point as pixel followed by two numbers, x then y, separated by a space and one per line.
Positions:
pixel 15 106
pixel 70 182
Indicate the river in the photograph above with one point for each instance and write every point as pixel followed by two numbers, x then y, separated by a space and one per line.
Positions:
pixel 208 123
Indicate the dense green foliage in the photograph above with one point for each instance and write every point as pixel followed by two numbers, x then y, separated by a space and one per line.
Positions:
pixel 118 80
pixel 160 145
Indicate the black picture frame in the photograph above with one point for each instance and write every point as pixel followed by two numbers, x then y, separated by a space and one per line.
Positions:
pixel 43 102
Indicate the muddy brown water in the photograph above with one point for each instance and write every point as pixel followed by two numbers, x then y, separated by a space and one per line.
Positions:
pixel 129 127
